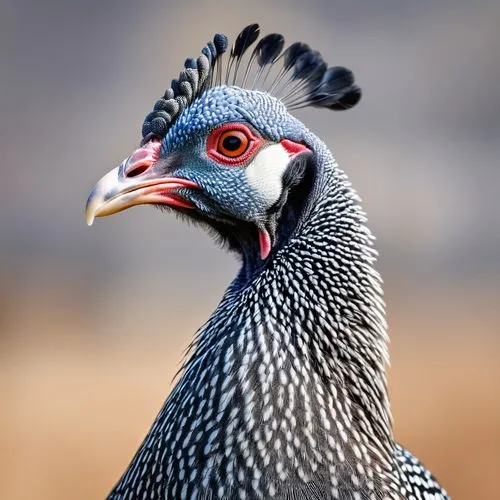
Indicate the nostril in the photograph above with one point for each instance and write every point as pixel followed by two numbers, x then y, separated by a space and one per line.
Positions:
pixel 136 170
pixel 142 159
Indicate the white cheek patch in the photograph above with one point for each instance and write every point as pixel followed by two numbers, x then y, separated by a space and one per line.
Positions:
pixel 265 172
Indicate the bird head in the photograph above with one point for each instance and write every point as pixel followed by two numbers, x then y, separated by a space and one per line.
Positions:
pixel 229 156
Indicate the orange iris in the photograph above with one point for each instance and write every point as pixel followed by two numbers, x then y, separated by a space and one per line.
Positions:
pixel 232 143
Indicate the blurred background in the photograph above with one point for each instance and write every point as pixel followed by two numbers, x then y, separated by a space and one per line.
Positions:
pixel 94 321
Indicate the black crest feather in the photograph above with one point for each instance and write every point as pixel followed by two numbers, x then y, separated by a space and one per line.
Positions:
pixel 300 77
pixel 293 52
pixel 246 38
pixel 269 48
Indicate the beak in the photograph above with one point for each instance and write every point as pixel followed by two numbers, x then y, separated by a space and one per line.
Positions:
pixel 135 182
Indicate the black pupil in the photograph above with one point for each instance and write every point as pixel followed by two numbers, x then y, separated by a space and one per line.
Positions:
pixel 231 143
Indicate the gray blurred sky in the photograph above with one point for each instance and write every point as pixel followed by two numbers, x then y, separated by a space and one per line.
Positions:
pixel 422 148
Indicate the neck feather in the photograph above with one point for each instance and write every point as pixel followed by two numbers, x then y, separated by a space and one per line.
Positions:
pixel 291 364
pixel 313 313
pixel 322 283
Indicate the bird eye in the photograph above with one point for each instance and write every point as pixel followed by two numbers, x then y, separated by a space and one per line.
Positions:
pixel 232 143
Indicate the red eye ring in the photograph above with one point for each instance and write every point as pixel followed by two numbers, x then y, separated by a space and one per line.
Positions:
pixel 232 143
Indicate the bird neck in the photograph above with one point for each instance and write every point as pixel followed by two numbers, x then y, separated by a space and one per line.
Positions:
pixel 322 284
pixel 285 386
pixel 310 318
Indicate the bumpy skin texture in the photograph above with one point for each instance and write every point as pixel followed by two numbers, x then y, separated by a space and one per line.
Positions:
pixel 227 104
pixel 284 395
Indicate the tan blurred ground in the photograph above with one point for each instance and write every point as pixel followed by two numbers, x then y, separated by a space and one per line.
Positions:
pixel 75 406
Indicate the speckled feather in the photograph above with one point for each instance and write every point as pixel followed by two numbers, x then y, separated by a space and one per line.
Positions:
pixel 284 393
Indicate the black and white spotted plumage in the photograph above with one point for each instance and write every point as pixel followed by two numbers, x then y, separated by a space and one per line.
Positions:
pixel 284 393
pixel 418 482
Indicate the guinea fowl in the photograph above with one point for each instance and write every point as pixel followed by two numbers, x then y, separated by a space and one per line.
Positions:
pixel 284 394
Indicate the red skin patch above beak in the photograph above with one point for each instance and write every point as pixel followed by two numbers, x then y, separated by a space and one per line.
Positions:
pixel 142 159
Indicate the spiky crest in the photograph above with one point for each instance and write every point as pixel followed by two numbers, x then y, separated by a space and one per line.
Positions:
pixel 300 77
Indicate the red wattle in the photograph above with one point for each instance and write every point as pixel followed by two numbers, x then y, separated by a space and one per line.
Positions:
pixel 265 243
